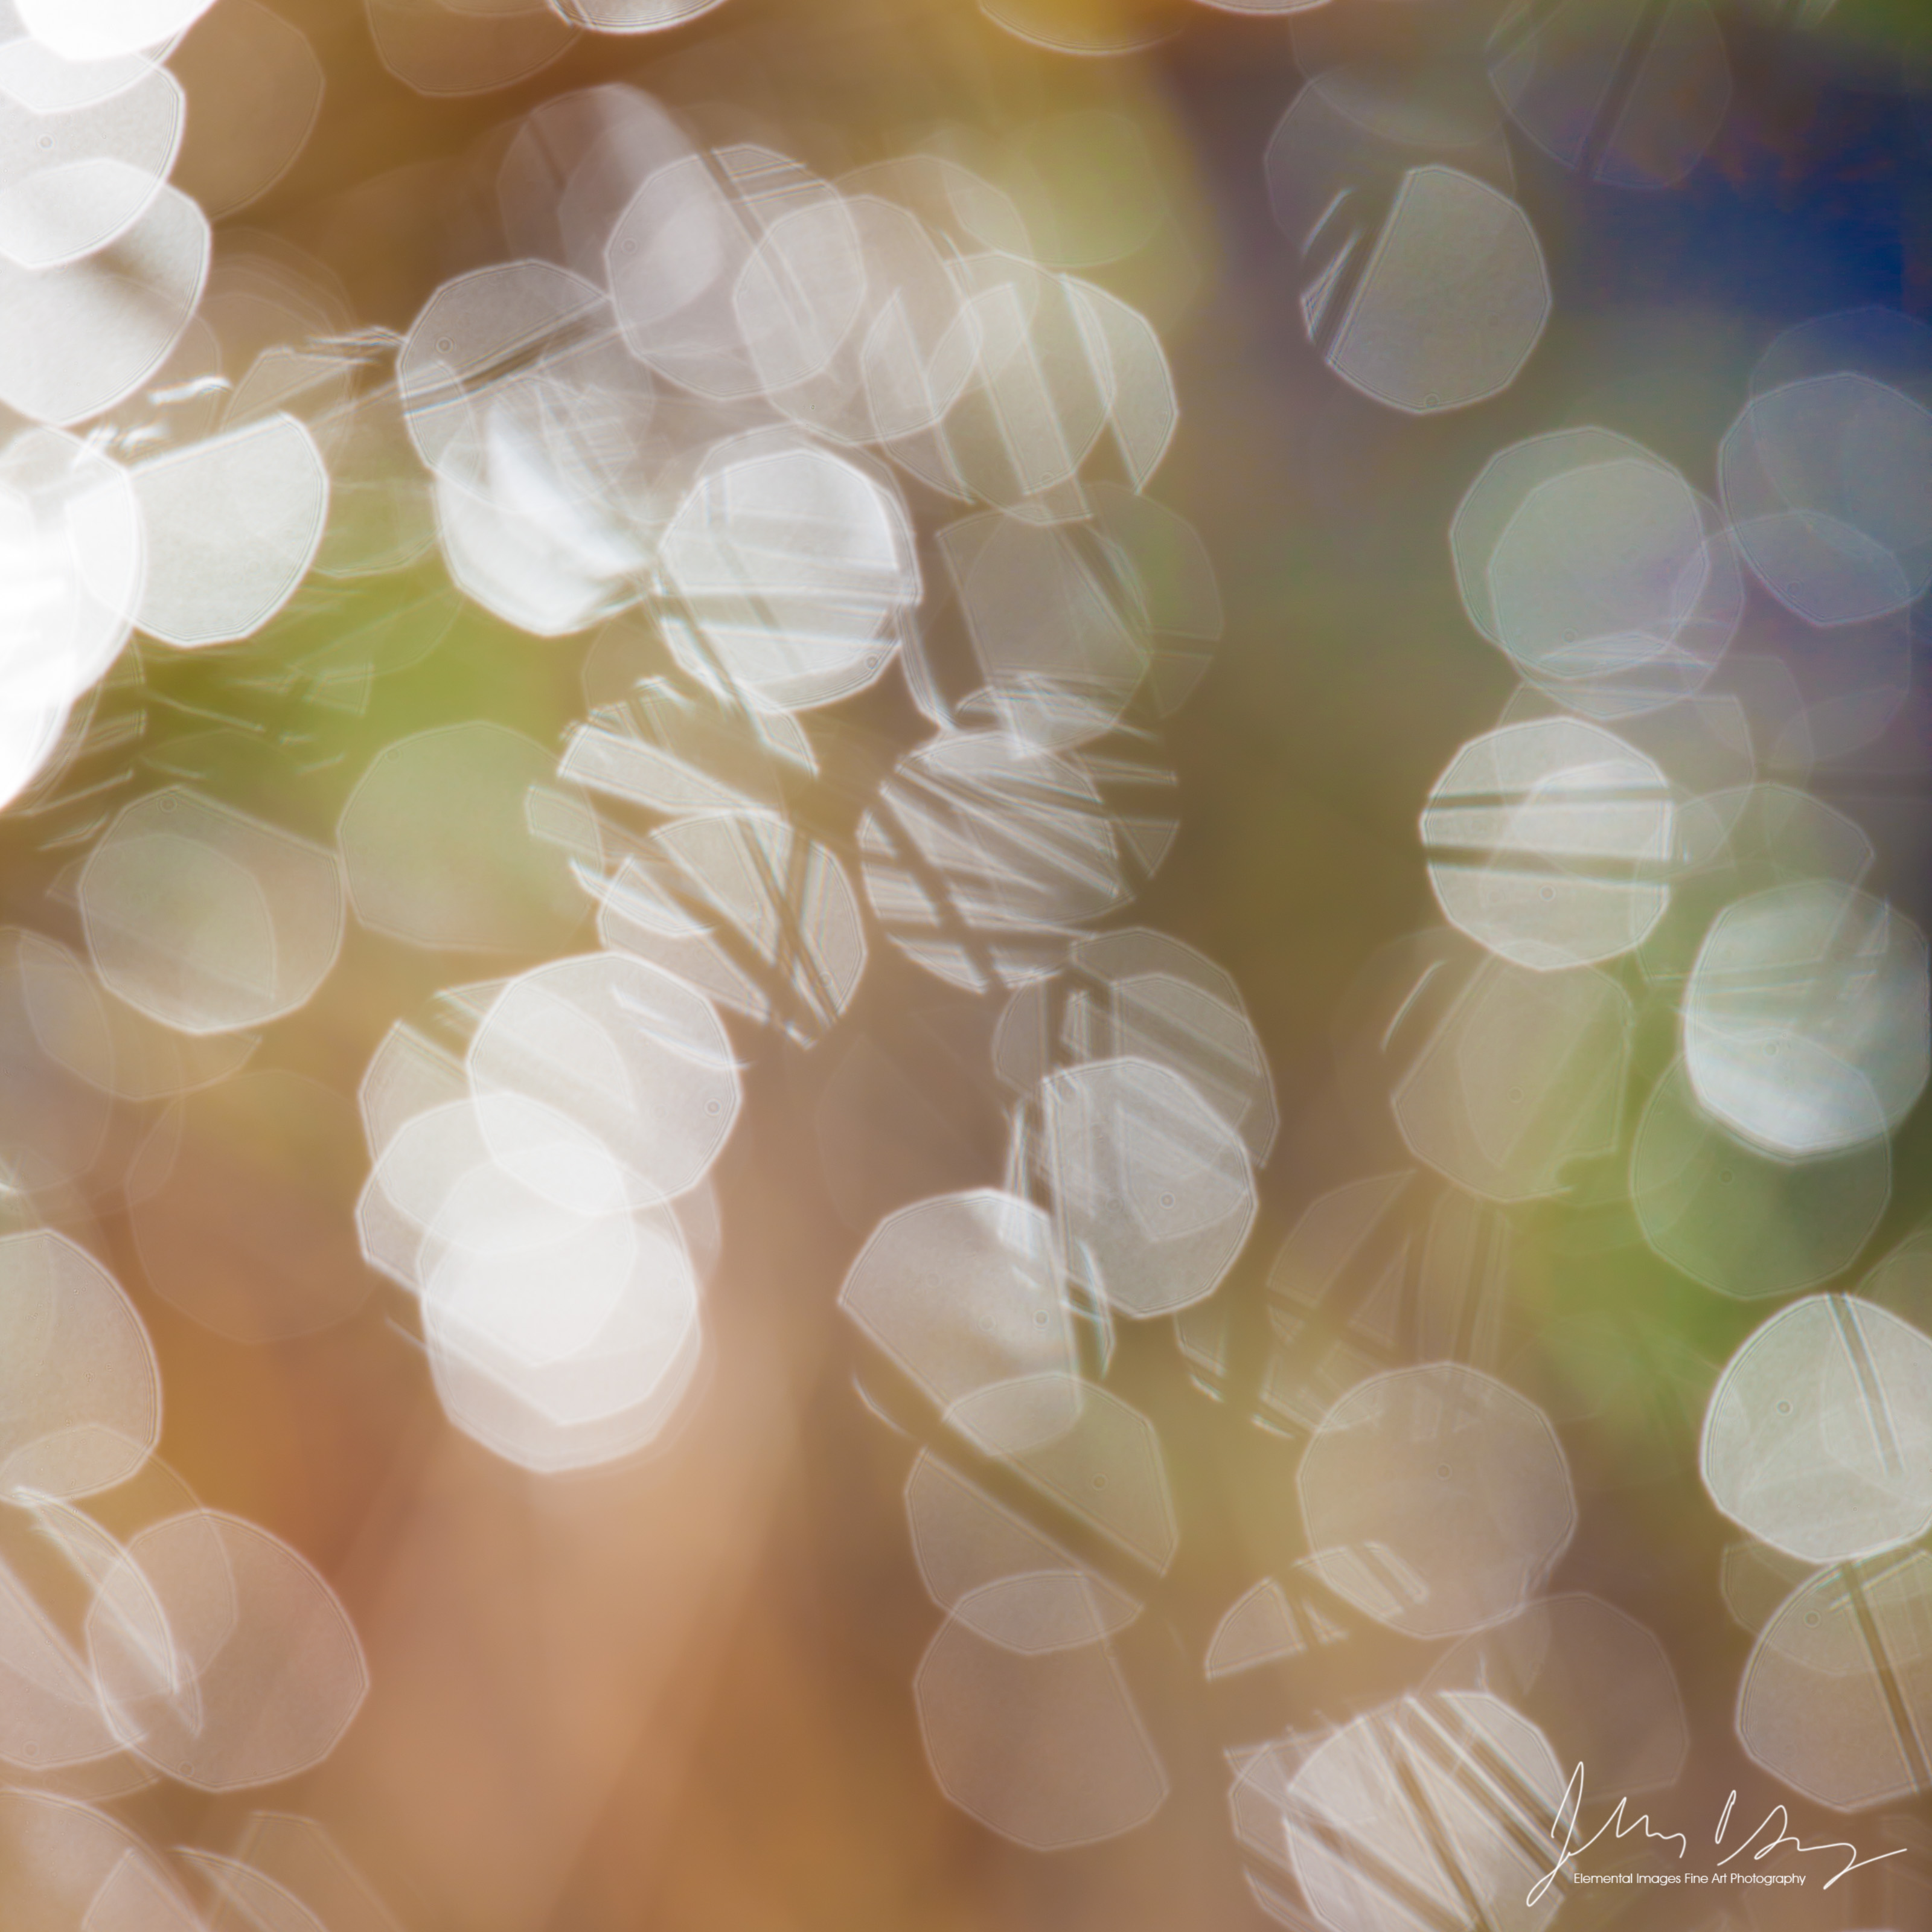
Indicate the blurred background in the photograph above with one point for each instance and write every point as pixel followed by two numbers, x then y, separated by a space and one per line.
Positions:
pixel 778 1649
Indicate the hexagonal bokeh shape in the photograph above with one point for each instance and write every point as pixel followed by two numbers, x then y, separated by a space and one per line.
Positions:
pixel 1837 1698
pixel 441 848
pixel 1451 304
pixel 1818 1438
pixel 1436 1499
pixel 206 920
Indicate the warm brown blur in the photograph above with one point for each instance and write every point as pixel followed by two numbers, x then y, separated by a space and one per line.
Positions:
pixel 677 1693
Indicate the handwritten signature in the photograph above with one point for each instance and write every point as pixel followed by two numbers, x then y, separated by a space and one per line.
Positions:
pixel 1569 1812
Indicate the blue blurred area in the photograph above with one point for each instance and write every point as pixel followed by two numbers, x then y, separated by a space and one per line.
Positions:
pixel 1803 205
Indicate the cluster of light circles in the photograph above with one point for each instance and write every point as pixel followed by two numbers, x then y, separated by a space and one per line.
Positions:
pixel 1817 1443
pixel 71 1864
pixel 1631 92
pixel 445 48
pixel 692 419
pixel 541 1198
pixel 1425 288
pixel 1593 563
pixel 1141 1103
pixel 1595 860
pixel 1630 847
pixel 1429 1808
pixel 701 416
pixel 1596 877
pixel 158 478
pixel 1434 1807
pixel 689 410
pixel 1437 1501
pixel 1627 847
pixel 1140 1106
pixel 143 1636
pixel 698 407
pixel 1028 1723
pixel 1423 284
pixel 1824 471
pixel 1609 864
pixel 786 442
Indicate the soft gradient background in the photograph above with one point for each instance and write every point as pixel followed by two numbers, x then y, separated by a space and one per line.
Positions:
pixel 677 1696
